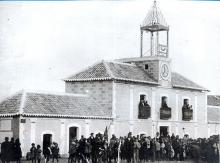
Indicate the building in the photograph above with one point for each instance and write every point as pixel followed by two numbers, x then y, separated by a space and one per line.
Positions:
pixel 141 95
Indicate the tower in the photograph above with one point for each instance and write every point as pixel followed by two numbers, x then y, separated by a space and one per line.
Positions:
pixel 155 26
pixel 156 59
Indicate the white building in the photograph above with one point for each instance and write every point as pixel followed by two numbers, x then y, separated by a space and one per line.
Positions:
pixel 108 94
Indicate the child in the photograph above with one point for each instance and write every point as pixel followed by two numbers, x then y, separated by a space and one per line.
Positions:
pixel 38 153
pixel 33 153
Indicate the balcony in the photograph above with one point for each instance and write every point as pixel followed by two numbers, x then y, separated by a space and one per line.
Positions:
pixel 144 111
pixel 187 114
pixel 165 113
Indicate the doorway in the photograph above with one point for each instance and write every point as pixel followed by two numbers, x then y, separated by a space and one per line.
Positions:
pixel 47 141
pixel 72 134
pixel 164 130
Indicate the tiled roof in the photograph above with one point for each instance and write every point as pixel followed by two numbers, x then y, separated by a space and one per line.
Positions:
pixel 180 81
pixel 53 105
pixel 109 70
pixel 11 105
pixel 213 114
pixel 213 100
pixel 113 71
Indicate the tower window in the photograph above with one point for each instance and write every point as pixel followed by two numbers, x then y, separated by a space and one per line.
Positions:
pixel 146 67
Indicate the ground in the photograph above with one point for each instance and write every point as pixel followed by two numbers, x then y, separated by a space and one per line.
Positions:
pixel 66 161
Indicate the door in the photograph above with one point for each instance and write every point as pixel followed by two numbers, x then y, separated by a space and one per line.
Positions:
pixel 47 141
pixel 72 134
pixel 163 130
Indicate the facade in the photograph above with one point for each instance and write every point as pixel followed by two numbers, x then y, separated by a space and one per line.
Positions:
pixel 141 95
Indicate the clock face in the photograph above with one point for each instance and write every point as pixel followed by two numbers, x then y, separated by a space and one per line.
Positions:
pixel 164 71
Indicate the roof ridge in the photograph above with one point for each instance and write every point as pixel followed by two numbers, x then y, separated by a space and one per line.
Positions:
pixel 84 69
pixel 22 104
pixel 122 63
pixel 108 69
pixel 55 93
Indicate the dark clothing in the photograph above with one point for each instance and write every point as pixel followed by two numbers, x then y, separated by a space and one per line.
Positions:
pixel 129 149
pixel 18 152
pixel 5 151
pixel 33 151
pixel 55 153
pixel 12 150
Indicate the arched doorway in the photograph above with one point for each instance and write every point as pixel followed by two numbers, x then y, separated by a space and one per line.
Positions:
pixel 47 141
pixel 73 133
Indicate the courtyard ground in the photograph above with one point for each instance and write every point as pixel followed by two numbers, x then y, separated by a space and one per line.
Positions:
pixel 64 160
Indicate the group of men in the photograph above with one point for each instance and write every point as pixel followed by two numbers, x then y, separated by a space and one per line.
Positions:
pixel 10 151
pixel 143 149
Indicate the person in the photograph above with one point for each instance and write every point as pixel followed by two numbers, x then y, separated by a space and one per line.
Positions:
pixel 18 152
pixel 81 148
pixel 113 149
pixel 5 151
pixel 55 152
pixel 137 146
pixel 176 147
pixel 92 143
pixel 157 152
pixel 144 109
pixel 12 149
pixel 73 151
pixel 47 153
pixel 163 150
pixel 87 149
pixel 33 153
pixel 129 146
pixel 38 153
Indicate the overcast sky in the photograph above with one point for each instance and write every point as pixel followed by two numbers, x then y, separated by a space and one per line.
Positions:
pixel 44 42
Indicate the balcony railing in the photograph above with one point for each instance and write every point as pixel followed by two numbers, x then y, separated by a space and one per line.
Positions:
pixel 144 112
pixel 165 113
pixel 187 114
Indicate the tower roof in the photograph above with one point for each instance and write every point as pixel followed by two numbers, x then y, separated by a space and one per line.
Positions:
pixel 154 21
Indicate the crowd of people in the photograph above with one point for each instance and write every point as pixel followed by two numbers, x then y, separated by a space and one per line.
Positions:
pixel 11 151
pixel 142 148
pixel 35 154
pixel 129 149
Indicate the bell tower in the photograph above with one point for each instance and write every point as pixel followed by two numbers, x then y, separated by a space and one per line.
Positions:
pixel 154 46
pixel 157 31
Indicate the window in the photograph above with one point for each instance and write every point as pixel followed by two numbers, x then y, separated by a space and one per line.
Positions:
pixel 146 67
pixel 187 112
pixel 5 124
pixel 165 111
pixel 144 109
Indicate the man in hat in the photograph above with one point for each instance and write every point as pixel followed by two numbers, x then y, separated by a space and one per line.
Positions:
pixel 33 151
pixel 5 151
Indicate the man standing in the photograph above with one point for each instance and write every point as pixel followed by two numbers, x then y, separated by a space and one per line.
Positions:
pixel 137 146
pixel 5 149
pixel 92 143
pixel 129 148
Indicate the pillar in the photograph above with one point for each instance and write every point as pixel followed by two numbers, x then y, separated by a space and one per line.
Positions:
pixel 195 115
pixel 33 129
pixel 62 136
pixel 87 128
pixel 177 108
pixel 153 107
pixel 131 110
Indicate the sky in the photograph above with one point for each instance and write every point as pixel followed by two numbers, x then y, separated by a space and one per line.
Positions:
pixel 42 43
